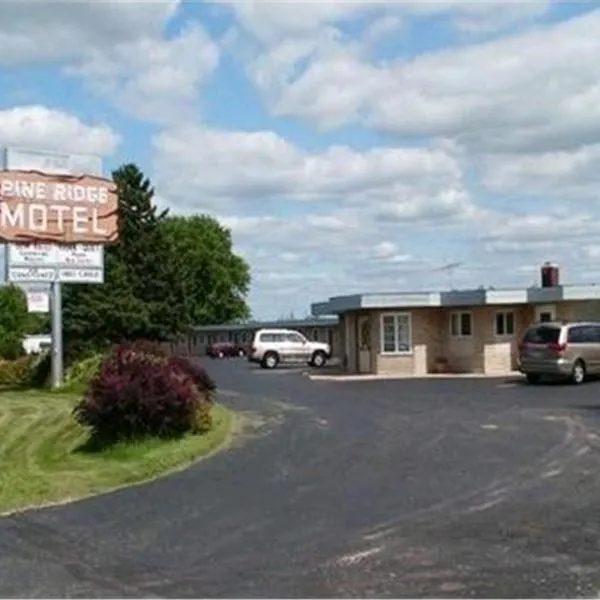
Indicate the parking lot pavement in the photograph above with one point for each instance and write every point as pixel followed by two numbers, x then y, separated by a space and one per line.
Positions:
pixel 407 488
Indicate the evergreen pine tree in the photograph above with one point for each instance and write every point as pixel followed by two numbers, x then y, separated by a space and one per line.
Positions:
pixel 144 291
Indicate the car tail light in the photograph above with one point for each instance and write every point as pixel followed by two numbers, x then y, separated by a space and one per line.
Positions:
pixel 557 348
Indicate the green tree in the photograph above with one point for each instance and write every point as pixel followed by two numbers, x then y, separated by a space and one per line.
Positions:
pixel 144 294
pixel 217 280
pixel 14 321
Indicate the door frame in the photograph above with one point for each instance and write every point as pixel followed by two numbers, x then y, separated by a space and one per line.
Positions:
pixel 545 308
pixel 362 349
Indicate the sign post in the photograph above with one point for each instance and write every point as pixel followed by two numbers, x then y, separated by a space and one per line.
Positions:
pixel 57 334
pixel 56 213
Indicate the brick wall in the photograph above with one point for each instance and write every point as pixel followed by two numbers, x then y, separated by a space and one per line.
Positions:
pixel 427 341
pixel 483 352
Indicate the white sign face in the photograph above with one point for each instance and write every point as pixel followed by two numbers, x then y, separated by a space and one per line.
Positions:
pixel 50 255
pixel 31 255
pixel 38 301
pixel 81 275
pixel 80 255
pixel 31 275
pixel 52 162
pixel 45 263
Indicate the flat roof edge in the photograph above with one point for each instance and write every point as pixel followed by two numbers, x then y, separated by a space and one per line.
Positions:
pixel 456 298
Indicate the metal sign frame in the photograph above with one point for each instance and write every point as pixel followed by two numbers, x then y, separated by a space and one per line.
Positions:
pixel 55 274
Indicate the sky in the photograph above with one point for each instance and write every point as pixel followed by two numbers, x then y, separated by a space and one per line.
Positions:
pixel 351 147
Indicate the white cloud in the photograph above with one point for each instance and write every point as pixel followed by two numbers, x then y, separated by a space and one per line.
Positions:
pixel 566 175
pixel 42 128
pixel 381 28
pixel 119 48
pixel 385 250
pixel 273 21
pixel 540 227
pixel 197 166
pixel 526 92
pixel 530 91
pixel 49 31
pixel 318 215
pixel 153 78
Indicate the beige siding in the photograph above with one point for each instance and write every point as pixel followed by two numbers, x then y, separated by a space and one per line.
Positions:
pixel 482 352
pixel 500 351
pixel 465 354
pixel 349 323
pixel 427 343
pixel 583 310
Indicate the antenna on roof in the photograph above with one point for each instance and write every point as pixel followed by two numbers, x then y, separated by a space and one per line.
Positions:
pixel 449 269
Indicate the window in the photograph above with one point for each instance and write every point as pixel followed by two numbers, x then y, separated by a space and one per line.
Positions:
pixel 396 336
pixel 271 338
pixel 542 335
pixel 505 323
pixel 461 324
pixel 545 317
pixel 295 338
pixel 584 334
pixel 594 334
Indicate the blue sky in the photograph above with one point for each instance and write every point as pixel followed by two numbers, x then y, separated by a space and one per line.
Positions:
pixel 350 147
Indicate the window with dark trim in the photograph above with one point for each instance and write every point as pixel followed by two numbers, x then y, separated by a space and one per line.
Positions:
pixel 396 334
pixel 461 324
pixel 505 323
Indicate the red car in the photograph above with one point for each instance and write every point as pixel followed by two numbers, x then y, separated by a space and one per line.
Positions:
pixel 225 349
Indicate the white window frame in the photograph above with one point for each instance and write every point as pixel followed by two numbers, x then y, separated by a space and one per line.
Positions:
pixel 504 314
pixel 459 314
pixel 395 316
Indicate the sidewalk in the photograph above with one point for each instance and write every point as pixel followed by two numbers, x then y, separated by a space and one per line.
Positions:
pixel 340 376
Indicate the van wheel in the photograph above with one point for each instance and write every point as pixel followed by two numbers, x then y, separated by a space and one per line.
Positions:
pixel 578 374
pixel 270 360
pixel 532 378
pixel 318 359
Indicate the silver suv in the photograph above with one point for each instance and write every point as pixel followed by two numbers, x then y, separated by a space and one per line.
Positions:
pixel 286 346
pixel 568 350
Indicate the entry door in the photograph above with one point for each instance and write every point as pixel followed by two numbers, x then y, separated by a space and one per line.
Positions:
pixel 545 313
pixel 364 344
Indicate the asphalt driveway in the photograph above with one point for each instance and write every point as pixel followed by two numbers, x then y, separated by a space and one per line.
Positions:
pixel 430 488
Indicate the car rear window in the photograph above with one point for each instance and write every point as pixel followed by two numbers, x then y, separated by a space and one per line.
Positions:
pixel 542 335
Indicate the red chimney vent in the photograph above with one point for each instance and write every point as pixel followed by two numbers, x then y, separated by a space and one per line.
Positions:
pixel 550 275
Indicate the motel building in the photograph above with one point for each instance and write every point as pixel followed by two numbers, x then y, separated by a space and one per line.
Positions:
pixel 323 329
pixel 457 331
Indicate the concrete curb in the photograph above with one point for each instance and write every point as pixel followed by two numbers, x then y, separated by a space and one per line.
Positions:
pixel 343 377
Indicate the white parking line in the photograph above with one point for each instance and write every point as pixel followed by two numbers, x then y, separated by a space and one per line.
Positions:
pixel 352 559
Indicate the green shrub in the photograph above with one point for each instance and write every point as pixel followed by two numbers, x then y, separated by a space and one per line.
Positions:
pixel 11 346
pixel 40 370
pixel 16 372
pixel 80 373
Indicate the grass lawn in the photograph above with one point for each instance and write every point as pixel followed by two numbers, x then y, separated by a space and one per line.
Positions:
pixel 41 460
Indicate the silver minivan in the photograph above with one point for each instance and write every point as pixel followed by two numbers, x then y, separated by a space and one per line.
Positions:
pixel 560 349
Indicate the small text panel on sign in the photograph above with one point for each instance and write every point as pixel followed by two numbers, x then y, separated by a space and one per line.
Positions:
pixel 48 255
pixel 31 275
pixel 81 275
